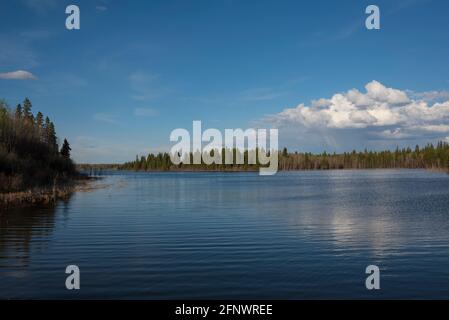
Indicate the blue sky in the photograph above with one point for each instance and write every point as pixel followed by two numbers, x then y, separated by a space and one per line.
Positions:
pixel 136 70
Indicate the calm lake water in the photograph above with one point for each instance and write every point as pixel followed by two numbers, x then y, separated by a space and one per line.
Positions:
pixel 295 235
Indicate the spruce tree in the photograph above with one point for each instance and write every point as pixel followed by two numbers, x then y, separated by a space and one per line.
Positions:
pixel 39 119
pixel 65 150
pixel 27 109
pixel 52 136
pixel 19 111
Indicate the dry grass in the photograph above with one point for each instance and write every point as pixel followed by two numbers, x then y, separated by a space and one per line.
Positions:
pixel 47 195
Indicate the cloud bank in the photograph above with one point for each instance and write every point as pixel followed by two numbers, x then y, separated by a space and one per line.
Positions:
pixel 381 113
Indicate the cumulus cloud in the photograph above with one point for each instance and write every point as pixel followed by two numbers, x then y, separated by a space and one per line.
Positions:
pixel 383 112
pixel 17 75
pixel 432 128
pixel 432 96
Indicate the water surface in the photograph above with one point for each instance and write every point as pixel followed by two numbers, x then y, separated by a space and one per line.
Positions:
pixel 295 235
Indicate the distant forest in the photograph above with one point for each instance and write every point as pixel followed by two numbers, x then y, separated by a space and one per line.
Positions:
pixel 429 157
pixel 29 152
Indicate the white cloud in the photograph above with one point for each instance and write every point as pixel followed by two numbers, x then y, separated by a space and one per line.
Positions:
pixel 378 92
pixel 379 106
pixel 320 103
pixel 432 95
pixel 17 75
pixel 397 133
pixel 384 112
pixel 433 128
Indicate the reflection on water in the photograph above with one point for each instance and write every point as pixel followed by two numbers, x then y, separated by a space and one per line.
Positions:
pixel 22 228
pixel 236 235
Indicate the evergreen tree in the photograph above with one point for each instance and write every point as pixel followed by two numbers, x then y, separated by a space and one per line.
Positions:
pixel 427 157
pixel 29 155
pixel 50 134
pixel 27 109
pixel 40 120
pixel 65 150
pixel 46 130
pixel 19 111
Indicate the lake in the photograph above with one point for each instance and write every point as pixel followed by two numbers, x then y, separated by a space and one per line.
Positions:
pixel 295 235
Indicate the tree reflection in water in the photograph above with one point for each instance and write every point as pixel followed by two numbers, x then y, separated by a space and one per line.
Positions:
pixel 23 228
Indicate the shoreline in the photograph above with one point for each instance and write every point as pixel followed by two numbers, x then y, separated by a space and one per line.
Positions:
pixel 44 195
pixel 177 170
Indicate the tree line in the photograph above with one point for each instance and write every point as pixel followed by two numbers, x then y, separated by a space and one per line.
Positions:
pixel 29 150
pixel 428 157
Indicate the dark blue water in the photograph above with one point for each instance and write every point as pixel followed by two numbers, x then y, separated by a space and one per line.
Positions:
pixel 295 235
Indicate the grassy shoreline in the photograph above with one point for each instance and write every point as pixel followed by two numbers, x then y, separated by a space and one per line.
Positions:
pixel 44 195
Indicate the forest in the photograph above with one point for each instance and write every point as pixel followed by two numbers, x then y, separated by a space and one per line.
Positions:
pixel 428 157
pixel 29 152
pixel 30 155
